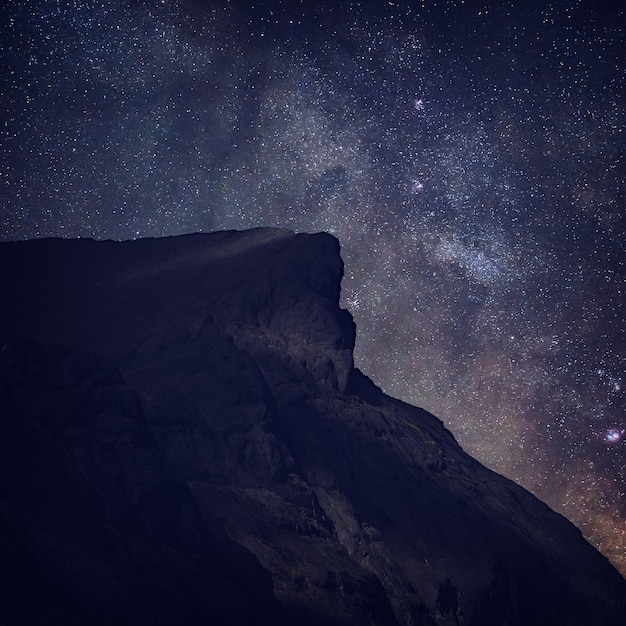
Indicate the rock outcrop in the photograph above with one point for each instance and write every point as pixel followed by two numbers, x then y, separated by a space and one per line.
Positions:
pixel 184 439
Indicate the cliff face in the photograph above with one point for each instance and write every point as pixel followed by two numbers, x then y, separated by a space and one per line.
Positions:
pixel 184 438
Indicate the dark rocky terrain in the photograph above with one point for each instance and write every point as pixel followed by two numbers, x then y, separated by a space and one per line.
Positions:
pixel 184 440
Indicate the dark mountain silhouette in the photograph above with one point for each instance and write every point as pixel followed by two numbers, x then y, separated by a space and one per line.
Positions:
pixel 185 440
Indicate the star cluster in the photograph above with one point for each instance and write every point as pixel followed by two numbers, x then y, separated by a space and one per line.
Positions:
pixel 468 155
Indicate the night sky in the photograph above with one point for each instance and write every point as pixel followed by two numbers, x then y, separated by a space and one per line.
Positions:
pixel 469 156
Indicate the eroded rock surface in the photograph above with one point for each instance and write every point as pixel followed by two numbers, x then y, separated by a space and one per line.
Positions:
pixel 184 434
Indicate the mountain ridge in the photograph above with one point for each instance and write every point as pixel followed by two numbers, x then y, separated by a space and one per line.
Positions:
pixel 220 365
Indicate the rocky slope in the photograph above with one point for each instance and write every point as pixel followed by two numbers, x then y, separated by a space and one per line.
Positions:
pixel 184 439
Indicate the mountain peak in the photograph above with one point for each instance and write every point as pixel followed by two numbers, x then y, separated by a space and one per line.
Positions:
pixel 186 434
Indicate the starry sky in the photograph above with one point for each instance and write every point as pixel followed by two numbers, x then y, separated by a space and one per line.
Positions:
pixel 468 155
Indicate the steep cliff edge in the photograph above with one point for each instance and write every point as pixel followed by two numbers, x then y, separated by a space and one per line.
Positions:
pixel 184 433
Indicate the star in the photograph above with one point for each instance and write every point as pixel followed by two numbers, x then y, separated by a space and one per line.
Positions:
pixel 614 435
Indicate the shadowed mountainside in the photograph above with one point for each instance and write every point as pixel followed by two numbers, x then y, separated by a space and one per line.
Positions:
pixel 184 439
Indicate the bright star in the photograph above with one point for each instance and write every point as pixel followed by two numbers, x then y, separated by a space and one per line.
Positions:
pixel 613 435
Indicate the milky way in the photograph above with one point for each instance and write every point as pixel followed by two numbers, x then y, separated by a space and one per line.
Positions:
pixel 469 157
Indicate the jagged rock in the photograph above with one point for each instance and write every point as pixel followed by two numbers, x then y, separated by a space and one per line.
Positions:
pixel 183 422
